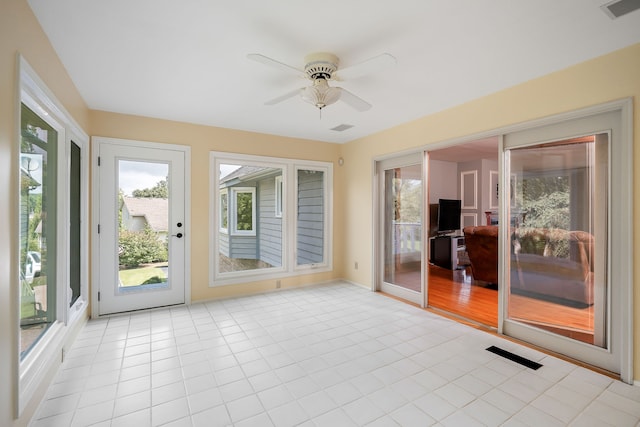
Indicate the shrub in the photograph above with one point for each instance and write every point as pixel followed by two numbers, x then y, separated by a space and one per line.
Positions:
pixel 141 247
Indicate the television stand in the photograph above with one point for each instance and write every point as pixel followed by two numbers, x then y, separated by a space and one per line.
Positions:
pixel 444 250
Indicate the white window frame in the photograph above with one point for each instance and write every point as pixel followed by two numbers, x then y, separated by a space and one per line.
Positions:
pixel 48 351
pixel 289 265
pixel 233 209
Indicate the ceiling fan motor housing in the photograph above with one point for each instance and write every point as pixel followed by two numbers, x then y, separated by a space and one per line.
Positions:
pixel 321 65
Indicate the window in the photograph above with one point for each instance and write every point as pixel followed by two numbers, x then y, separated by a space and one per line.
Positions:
pixel 52 228
pixel 256 235
pixel 38 226
pixel 244 211
pixel 310 219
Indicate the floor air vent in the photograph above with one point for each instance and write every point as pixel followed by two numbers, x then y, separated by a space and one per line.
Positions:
pixel 618 8
pixel 514 357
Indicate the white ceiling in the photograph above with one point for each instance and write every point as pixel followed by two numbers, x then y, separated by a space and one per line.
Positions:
pixel 186 60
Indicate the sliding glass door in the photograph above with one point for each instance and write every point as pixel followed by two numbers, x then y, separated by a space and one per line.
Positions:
pixel 562 291
pixel 400 220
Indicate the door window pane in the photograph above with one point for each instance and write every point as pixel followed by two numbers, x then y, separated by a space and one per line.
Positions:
pixel 38 226
pixel 558 242
pixel 143 213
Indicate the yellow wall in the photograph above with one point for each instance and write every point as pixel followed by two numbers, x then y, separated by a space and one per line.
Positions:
pixel 610 77
pixel 202 140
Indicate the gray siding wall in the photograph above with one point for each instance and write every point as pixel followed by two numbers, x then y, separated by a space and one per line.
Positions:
pixel 268 225
pixel 243 247
pixel 310 238
pixel 224 243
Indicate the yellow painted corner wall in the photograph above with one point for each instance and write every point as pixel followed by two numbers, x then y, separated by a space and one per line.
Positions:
pixel 202 140
pixel 607 78
pixel 20 33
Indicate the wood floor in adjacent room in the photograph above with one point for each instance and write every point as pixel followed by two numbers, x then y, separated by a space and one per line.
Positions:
pixel 456 292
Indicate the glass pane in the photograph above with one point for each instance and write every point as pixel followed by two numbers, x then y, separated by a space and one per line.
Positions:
pixel 143 213
pixel 558 239
pixel 74 224
pixel 250 232
pixel 38 221
pixel 403 227
pixel 311 217
pixel 244 210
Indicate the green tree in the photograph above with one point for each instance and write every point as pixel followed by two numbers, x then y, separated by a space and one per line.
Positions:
pixel 141 247
pixel 160 191
pixel 244 211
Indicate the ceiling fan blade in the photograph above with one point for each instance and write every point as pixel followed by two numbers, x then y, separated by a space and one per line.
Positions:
pixel 373 65
pixel 275 64
pixel 284 97
pixel 353 101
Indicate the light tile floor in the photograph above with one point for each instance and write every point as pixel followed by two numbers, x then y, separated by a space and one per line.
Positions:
pixel 331 355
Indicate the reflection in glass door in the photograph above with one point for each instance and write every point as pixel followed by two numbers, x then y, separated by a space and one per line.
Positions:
pixel 558 238
pixel 402 231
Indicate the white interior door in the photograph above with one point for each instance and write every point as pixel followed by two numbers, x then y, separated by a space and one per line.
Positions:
pixel 142 230
pixel 401 249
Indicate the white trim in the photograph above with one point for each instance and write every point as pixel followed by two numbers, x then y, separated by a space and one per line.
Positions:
pixel 473 216
pixel 465 202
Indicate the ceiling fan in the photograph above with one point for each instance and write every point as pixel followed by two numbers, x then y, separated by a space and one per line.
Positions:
pixel 320 68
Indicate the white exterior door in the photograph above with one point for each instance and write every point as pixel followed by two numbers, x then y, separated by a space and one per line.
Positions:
pixel 139 210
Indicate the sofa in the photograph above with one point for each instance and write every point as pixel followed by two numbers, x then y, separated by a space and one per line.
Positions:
pixel 481 243
pixel 550 264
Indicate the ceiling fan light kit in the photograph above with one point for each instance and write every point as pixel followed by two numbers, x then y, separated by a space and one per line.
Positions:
pixel 320 94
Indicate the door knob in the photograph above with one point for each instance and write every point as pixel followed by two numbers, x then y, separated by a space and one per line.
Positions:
pixel 179 235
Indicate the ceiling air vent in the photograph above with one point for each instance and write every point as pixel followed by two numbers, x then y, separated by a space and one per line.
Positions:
pixel 618 8
pixel 342 127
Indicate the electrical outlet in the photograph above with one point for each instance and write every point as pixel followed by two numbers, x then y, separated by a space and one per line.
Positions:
pixel 355 265
pixel 278 284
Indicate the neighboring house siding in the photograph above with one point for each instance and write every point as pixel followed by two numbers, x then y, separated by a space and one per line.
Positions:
pixel 223 239
pixel 310 239
pixel 269 227
pixel 243 247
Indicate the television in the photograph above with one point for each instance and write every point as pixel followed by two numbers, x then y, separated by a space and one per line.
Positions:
pixel 449 215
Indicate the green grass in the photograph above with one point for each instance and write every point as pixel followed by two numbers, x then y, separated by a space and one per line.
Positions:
pixel 142 275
